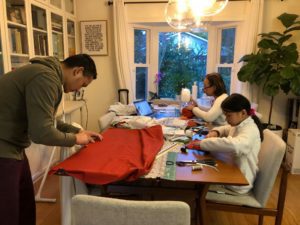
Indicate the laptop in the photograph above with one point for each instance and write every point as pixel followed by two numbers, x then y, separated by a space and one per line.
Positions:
pixel 143 108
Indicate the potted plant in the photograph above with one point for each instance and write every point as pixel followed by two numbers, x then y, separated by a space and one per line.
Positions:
pixel 274 65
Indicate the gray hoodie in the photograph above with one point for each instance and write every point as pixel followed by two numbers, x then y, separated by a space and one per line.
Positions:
pixel 29 98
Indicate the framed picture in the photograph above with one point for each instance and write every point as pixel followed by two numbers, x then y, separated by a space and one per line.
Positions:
pixel 94 37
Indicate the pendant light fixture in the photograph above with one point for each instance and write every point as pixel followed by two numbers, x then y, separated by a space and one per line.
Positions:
pixel 187 14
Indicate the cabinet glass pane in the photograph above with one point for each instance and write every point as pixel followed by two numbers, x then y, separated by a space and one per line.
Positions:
pixel 15 10
pixel 57 36
pixel 18 61
pixel 39 25
pixel 18 39
pixel 56 3
pixel 71 37
pixel 69 6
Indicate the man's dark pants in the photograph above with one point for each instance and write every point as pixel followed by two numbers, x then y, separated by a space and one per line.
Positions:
pixel 17 204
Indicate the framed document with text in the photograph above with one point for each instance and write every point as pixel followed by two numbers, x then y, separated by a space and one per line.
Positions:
pixel 94 37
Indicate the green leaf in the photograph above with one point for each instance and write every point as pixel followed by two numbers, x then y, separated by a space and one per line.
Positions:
pixel 271 35
pixel 291 29
pixel 274 78
pixel 284 38
pixel 246 73
pixel 271 90
pixel 267 43
pixel 287 19
pixel 287 72
pixel 295 85
pixel 288 55
pixel 285 86
pixel 247 58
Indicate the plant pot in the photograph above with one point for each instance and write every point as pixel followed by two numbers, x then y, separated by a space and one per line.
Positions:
pixel 276 129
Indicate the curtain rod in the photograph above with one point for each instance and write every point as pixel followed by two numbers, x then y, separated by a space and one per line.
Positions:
pixel 111 2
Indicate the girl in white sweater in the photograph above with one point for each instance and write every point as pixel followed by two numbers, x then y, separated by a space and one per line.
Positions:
pixel 241 138
pixel 213 86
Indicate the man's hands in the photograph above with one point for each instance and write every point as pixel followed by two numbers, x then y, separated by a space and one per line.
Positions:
pixel 84 137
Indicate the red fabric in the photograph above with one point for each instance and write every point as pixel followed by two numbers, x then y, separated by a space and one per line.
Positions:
pixel 193 145
pixel 187 113
pixel 192 123
pixel 123 154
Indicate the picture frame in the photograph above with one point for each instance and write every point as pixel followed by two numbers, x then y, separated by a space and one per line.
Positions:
pixel 94 37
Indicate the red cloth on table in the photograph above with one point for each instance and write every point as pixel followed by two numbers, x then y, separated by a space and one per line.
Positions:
pixel 123 154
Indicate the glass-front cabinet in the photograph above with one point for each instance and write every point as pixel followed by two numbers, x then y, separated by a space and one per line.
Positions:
pixel 17 33
pixel 57 36
pixel 30 28
pixel 39 27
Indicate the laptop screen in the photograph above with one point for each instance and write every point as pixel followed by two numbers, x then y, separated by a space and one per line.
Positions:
pixel 143 108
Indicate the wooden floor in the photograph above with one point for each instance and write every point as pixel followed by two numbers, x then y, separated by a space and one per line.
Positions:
pixel 49 213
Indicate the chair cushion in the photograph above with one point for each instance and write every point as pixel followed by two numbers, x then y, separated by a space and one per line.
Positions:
pixel 247 200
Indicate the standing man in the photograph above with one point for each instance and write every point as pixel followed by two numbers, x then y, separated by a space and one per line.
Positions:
pixel 29 98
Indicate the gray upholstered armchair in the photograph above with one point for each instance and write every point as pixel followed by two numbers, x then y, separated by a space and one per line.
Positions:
pixel 270 159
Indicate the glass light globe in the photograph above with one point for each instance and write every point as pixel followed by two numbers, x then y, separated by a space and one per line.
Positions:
pixel 179 14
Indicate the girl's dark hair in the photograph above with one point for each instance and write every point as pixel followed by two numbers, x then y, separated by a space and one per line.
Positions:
pixel 236 103
pixel 215 79
pixel 82 60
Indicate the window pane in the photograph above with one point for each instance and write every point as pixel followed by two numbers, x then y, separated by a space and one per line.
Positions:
pixel 140 46
pixel 141 78
pixel 226 75
pixel 227 45
pixel 182 60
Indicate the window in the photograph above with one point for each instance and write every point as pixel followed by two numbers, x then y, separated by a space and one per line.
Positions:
pixel 180 58
pixel 182 61
pixel 226 54
pixel 141 63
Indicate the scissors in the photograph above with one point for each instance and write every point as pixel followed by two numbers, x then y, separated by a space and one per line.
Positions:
pixel 204 162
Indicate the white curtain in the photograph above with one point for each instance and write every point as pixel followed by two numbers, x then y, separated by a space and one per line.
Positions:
pixel 121 47
pixel 253 28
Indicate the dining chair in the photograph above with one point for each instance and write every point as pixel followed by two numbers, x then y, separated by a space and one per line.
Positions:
pixel 269 162
pixel 94 210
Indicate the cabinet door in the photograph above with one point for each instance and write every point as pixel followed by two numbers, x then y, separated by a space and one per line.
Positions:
pixel 57 36
pixel 39 29
pixel 71 37
pixel 17 33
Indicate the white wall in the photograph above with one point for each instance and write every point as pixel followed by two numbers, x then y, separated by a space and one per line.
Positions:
pixel 102 92
pixel 272 9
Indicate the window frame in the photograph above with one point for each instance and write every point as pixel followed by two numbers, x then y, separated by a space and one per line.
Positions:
pixel 213 51
pixel 131 56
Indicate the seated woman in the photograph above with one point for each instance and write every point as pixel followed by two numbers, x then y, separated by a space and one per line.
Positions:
pixel 213 86
pixel 241 138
